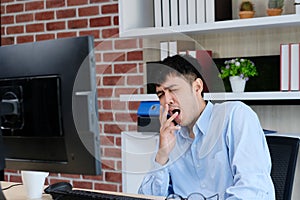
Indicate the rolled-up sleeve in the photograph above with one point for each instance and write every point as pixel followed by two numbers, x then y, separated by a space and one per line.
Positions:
pixel 156 182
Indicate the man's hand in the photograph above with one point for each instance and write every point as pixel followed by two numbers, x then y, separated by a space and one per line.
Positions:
pixel 167 138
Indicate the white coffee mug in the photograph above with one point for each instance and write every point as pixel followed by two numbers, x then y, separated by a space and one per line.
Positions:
pixel 33 182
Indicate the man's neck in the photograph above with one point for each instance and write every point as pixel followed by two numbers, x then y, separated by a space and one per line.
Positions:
pixel 192 135
pixel 190 128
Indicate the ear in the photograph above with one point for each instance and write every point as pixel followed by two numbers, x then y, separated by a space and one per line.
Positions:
pixel 198 86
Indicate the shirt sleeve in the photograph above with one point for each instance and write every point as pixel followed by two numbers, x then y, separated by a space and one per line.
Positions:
pixel 249 157
pixel 156 182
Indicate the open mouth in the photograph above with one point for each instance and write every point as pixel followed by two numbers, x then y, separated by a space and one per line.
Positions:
pixel 176 110
pixel 172 113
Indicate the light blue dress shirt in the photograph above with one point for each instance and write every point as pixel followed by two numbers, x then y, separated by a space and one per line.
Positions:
pixel 229 156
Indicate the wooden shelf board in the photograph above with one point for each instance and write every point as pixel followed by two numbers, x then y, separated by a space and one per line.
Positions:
pixel 229 25
pixel 292 95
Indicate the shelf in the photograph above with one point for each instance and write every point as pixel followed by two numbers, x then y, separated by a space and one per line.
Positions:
pixel 138 97
pixel 229 25
pixel 295 95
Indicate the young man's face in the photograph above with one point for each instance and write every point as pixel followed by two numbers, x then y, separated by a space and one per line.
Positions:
pixel 180 95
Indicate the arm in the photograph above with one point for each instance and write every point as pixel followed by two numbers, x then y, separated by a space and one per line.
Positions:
pixel 249 157
pixel 157 181
pixel 167 137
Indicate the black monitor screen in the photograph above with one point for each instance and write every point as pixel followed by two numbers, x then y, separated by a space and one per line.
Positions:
pixel 32 93
pixel 48 106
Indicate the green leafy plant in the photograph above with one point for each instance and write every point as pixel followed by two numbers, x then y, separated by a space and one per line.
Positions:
pixel 238 67
pixel 246 6
pixel 275 4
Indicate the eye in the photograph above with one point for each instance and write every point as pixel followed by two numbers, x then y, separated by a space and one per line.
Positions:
pixel 173 90
pixel 159 94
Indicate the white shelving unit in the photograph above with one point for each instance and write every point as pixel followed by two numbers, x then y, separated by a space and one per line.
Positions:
pixel 230 25
pixel 136 20
pixel 138 97
pixel 253 96
pixel 293 95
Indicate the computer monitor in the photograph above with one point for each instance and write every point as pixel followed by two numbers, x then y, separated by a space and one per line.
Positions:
pixel 48 96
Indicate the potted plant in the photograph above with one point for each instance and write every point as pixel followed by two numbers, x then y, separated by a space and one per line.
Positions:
pixel 238 70
pixel 275 7
pixel 246 9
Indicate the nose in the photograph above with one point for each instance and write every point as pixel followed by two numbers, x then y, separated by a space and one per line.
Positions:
pixel 169 98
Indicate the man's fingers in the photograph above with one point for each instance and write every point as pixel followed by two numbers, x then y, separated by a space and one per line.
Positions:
pixel 163 113
pixel 172 117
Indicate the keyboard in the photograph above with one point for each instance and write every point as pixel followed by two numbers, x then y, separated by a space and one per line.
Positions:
pixel 89 195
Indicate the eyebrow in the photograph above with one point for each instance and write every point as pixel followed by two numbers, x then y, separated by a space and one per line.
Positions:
pixel 165 88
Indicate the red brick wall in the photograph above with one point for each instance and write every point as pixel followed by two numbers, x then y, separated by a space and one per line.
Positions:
pixel 118 62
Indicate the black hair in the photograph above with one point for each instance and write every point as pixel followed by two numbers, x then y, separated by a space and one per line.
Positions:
pixel 185 66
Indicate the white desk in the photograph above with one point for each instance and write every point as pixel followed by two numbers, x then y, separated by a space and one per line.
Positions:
pixel 18 193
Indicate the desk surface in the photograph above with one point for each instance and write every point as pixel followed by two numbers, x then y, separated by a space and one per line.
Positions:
pixel 17 192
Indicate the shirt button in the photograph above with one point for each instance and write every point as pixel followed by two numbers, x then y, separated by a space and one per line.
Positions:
pixel 203 185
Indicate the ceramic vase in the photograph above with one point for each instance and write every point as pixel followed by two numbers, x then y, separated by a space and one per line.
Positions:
pixel 274 11
pixel 246 14
pixel 237 83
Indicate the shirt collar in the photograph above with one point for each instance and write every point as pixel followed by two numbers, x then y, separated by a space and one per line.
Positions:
pixel 203 121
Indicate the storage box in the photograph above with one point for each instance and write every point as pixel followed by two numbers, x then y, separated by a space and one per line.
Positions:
pixel 148 116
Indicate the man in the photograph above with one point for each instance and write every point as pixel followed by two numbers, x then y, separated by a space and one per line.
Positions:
pixel 216 150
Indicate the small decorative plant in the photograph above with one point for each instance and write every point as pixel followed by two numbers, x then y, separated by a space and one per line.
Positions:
pixel 246 6
pixel 241 67
pixel 246 9
pixel 276 4
pixel 275 7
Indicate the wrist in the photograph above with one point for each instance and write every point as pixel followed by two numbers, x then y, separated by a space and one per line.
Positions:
pixel 162 160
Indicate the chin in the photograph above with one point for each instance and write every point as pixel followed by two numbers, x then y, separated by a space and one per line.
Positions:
pixel 180 123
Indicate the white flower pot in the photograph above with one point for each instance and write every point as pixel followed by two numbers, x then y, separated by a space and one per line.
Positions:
pixel 237 83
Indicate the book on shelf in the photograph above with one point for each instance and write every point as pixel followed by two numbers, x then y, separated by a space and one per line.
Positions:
pixel 204 58
pixel 173 48
pixel 179 46
pixel 218 10
pixel 200 11
pixel 182 7
pixel 206 62
pixel 165 13
pixel 174 15
pixel 294 66
pixel 191 10
pixel 210 10
pixel 157 13
pixel 284 67
pixel 200 54
pixel 223 10
pixel 164 49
